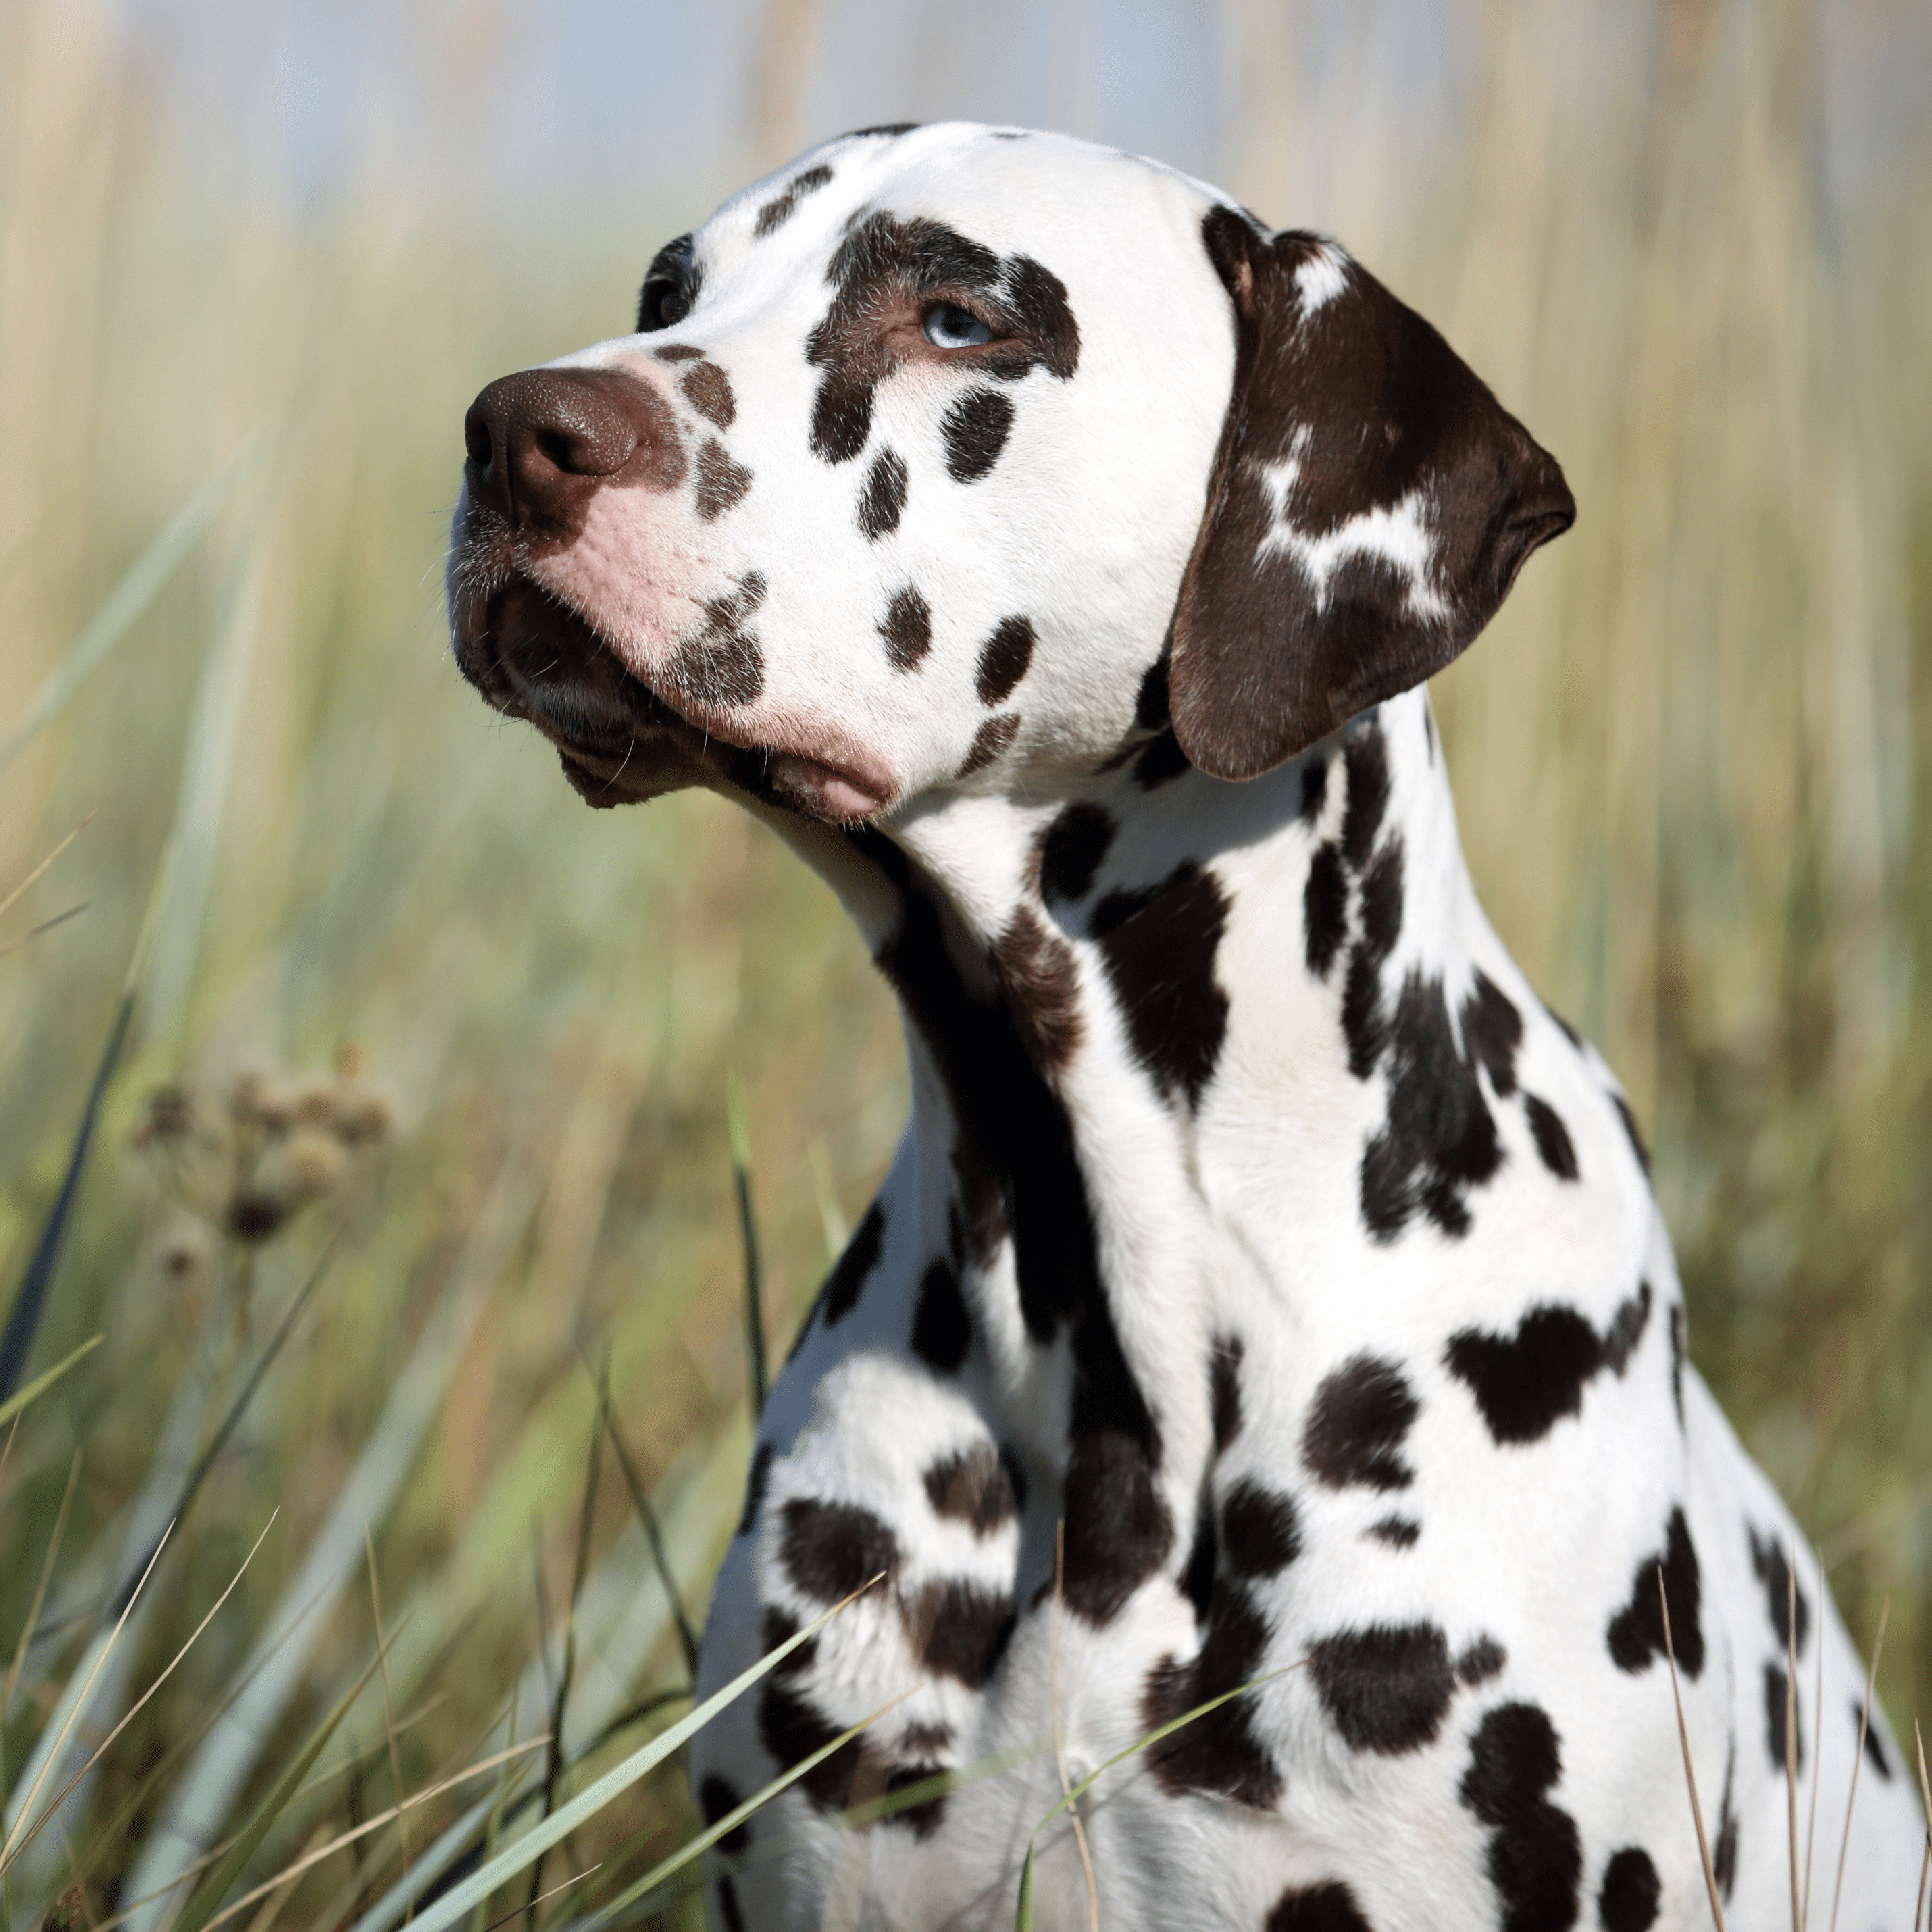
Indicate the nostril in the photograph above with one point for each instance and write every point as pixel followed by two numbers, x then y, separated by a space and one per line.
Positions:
pixel 540 440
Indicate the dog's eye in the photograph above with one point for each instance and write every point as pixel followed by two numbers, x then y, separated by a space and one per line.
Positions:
pixel 671 286
pixel 947 327
pixel 663 304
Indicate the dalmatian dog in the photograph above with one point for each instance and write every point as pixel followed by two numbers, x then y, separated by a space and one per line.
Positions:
pixel 1268 1290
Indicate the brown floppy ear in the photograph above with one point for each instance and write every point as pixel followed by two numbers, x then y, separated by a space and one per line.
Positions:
pixel 1370 505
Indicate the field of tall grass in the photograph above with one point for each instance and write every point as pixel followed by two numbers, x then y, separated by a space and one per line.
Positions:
pixel 414 1096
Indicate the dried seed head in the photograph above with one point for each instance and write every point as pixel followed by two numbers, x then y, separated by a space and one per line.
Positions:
pixel 258 1214
pixel 183 1254
pixel 169 1117
pixel 350 1059
pixel 314 1104
pixel 312 1164
pixel 65 1912
pixel 363 1117
pixel 257 1102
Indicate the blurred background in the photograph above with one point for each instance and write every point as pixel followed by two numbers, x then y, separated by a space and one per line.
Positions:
pixel 433 1107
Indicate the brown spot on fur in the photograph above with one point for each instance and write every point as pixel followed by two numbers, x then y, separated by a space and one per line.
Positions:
pixel 992 740
pixel 1159 945
pixel 882 501
pixel 907 628
pixel 1041 985
pixel 832 1550
pixel 707 389
pixel 960 1629
pixel 1003 659
pixel 722 483
pixel 778 211
pixel 974 430
pixel 720 664
pixel 1220 1751
pixel 977 1486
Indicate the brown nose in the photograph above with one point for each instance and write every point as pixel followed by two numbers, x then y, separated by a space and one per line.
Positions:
pixel 541 442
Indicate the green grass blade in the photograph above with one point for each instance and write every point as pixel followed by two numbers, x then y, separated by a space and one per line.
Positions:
pixel 1023 1914
pixel 647 1518
pixel 198 1475
pixel 209 1895
pixel 202 1799
pixel 207 763
pixel 13 1406
pixel 23 1319
pixel 706 1839
pixel 456 1902
pixel 129 597
pixel 887 1804
pixel 739 1132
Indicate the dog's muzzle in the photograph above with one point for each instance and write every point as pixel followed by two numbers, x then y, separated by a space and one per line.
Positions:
pixel 540 444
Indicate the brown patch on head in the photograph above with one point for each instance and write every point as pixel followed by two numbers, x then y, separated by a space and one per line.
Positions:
pixel 679 352
pixel 708 390
pixel 907 628
pixel 719 663
pixel 974 431
pixel 1003 659
pixel 722 483
pixel 993 739
pixel 886 273
pixel 1348 410
pixel 883 501
pixel 778 211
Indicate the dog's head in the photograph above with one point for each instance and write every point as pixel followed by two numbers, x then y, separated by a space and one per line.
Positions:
pixel 948 457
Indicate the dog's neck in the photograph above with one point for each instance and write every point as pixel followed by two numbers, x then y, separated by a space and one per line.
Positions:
pixel 1137 1013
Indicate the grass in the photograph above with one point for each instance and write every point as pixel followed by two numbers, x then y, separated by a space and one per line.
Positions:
pixel 1691 759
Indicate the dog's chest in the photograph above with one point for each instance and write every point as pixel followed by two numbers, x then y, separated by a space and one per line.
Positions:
pixel 1356 1364
pixel 1291 1397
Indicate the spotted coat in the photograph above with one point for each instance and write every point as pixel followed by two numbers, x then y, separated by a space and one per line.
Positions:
pixel 1268 1290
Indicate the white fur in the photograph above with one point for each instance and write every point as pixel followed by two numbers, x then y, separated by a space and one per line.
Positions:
pixel 1320 279
pixel 1398 533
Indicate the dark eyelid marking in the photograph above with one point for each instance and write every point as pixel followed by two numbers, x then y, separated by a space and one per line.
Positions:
pixel 885 263
pixel 673 269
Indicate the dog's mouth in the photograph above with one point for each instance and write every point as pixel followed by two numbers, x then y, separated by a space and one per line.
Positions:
pixel 534 657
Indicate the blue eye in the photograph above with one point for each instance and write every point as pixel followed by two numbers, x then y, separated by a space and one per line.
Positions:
pixel 947 327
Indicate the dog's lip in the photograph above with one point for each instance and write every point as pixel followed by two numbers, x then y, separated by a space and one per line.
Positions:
pixel 837 783
pixel 841 785
pixel 843 792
